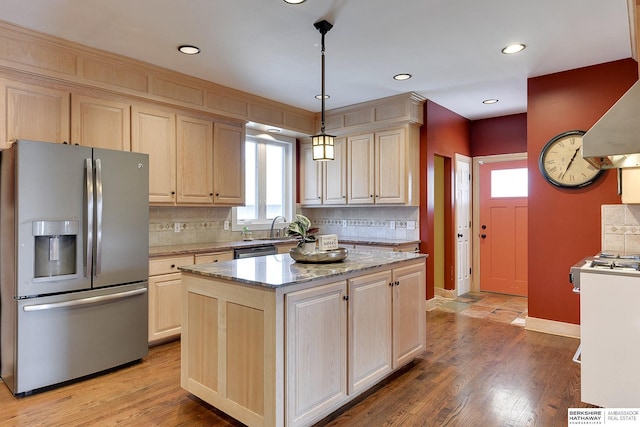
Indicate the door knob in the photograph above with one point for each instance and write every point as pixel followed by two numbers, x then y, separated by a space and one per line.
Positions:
pixel 484 227
pixel 459 235
pixel 484 236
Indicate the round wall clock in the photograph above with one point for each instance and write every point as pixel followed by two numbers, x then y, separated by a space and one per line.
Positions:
pixel 561 162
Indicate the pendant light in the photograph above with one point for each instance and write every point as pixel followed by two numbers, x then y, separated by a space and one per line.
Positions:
pixel 322 144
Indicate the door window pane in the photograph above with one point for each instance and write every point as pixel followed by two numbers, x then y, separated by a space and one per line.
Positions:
pixel 509 183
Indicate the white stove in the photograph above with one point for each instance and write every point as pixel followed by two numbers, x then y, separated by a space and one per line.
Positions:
pixel 605 263
pixel 609 288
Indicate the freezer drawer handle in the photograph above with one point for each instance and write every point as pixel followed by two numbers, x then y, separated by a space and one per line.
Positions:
pixel 85 301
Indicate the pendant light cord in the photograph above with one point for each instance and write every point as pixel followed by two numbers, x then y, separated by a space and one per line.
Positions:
pixel 322 95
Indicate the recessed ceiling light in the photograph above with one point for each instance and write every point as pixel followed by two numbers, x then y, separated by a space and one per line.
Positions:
pixel 490 101
pixel 402 76
pixel 189 50
pixel 320 96
pixel 295 1
pixel 513 48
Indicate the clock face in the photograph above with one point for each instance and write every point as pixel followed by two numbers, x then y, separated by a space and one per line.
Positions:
pixel 561 162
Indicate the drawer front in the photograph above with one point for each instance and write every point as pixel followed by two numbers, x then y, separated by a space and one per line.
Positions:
pixel 214 257
pixel 168 265
pixel 408 248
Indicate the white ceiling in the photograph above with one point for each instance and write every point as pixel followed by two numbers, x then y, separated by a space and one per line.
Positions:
pixel 271 49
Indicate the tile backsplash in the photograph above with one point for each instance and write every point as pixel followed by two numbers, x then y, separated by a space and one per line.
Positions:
pixel 197 225
pixel 367 222
pixel 206 225
pixel 621 228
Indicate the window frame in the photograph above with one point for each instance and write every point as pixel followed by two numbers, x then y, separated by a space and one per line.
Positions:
pixel 264 223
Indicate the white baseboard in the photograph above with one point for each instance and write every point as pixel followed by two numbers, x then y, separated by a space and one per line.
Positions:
pixel 552 327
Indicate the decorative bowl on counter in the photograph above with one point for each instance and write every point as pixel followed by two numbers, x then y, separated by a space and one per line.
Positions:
pixel 318 257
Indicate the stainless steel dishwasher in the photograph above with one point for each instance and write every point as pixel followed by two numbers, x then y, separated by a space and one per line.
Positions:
pixel 254 251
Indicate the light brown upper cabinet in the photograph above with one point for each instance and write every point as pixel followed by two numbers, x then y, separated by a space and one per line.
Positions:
pixel 33 112
pixel 228 164
pixel 311 177
pixel 360 174
pixel 153 132
pixel 100 123
pixel 383 167
pixel 195 160
pixel 324 182
pixel 334 188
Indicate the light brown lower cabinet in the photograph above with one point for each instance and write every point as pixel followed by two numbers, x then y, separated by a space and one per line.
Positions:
pixel 165 292
pixel 165 295
pixel 290 356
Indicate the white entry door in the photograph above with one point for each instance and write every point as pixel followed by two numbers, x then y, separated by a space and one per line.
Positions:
pixel 463 223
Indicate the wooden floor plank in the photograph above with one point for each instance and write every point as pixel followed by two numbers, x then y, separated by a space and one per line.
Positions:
pixel 475 372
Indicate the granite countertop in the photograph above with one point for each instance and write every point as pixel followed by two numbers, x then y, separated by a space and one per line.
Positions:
pixel 197 248
pixel 273 271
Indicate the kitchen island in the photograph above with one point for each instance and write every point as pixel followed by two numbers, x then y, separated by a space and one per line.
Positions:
pixel 273 342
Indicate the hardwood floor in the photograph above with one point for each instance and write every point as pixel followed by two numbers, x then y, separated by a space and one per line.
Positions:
pixel 475 372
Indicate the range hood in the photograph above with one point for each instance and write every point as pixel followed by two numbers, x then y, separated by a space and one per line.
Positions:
pixel 614 141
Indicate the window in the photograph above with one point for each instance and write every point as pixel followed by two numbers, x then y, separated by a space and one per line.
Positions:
pixel 509 183
pixel 269 184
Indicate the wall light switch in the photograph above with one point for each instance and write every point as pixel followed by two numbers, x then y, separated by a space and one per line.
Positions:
pixel 392 225
pixel 411 225
pixel 226 225
pixel 176 227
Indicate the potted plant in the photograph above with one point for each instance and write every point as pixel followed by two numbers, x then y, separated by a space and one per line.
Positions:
pixel 301 230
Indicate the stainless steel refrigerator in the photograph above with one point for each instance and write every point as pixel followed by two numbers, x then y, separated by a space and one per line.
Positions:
pixel 74 231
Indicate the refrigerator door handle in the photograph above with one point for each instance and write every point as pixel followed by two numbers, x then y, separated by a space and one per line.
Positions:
pixel 98 270
pixel 84 301
pixel 88 170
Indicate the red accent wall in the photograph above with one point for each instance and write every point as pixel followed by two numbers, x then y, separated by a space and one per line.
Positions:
pixel 499 135
pixel 443 133
pixel 564 225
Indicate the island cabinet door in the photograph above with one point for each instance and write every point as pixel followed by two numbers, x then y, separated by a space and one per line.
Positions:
pixel 409 317
pixel 369 329
pixel 316 352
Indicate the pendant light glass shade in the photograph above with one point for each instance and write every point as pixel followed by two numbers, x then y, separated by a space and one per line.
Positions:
pixel 322 144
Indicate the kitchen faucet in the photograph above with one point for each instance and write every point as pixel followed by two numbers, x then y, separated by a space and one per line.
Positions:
pixel 273 223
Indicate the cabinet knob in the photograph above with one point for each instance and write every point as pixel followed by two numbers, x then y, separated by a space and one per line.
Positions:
pixel 346 297
pixel 173 266
pixel 173 192
pixel 217 194
pixel 397 283
pixel 210 194
pixel 390 283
